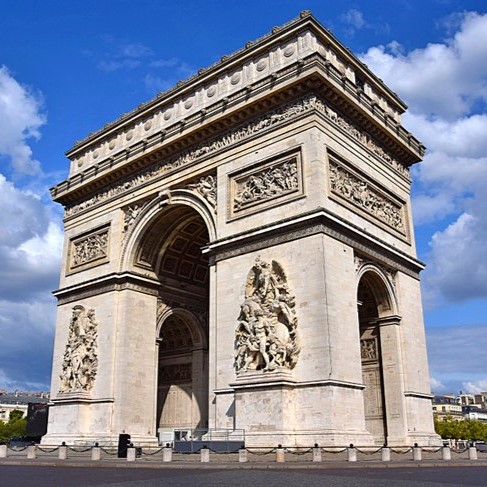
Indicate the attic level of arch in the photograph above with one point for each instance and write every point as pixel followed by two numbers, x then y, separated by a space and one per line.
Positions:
pixel 314 75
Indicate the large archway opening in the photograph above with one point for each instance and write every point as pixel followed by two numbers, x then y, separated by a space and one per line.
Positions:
pixel 172 249
pixel 372 301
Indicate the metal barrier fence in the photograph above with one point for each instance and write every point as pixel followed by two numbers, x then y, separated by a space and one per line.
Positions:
pixel 277 454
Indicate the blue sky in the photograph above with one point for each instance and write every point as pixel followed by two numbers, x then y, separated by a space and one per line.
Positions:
pixel 67 68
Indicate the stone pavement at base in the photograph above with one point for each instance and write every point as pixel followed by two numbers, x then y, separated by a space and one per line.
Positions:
pixel 367 474
pixel 230 461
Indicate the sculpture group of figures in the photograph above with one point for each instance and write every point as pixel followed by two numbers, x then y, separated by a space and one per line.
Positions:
pixel 80 360
pixel 266 336
pixel 359 193
pixel 90 248
pixel 271 182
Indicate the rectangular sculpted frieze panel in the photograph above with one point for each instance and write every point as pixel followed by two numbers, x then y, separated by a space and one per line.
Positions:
pixel 267 184
pixel 356 191
pixel 89 249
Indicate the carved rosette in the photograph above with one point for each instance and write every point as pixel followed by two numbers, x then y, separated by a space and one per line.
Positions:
pixel 363 195
pixel 266 336
pixel 80 361
pixel 206 187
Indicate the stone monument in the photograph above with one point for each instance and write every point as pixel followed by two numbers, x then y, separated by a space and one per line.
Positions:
pixel 239 256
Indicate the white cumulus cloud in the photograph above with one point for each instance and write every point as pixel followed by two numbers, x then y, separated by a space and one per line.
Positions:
pixel 475 387
pixel 445 86
pixel 20 119
pixel 30 244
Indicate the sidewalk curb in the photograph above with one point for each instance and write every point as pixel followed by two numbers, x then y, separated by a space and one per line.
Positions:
pixel 240 466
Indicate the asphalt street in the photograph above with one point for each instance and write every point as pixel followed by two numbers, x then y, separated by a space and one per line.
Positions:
pixel 21 476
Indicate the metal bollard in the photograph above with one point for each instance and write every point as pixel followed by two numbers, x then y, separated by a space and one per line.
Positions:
pixel 31 452
pixel 351 453
pixel 242 455
pixel 131 454
pixel 472 453
pixel 386 454
pixel 167 453
pixel 446 453
pixel 205 455
pixel 3 451
pixel 280 454
pixel 63 452
pixel 317 453
pixel 416 453
pixel 96 453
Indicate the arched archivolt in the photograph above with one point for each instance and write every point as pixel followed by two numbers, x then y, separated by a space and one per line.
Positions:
pixel 381 288
pixel 168 207
pixel 185 319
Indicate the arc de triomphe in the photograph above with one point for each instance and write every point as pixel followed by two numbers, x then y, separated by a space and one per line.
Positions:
pixel 239 254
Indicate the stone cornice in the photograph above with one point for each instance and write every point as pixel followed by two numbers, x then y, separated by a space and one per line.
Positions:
pixel 319 221
pixel 251 49
pixel 309 59
pixel 107 283
pixel 102 175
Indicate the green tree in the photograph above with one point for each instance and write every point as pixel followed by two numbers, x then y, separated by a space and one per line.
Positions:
pixel 15 415
pixel 16 425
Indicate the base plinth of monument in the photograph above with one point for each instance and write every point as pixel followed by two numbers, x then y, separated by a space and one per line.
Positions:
pixel 103 440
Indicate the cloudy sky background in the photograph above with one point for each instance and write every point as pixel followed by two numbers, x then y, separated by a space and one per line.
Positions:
pixel 67 68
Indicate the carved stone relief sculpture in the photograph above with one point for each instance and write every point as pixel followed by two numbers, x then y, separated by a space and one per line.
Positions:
pixel 266 336
pixel 89 249
pixel 131 214
pixel 80 361
pixel 243 132
pixel 274 181
pixel 206 187
pixel 368 349
pixel 362 195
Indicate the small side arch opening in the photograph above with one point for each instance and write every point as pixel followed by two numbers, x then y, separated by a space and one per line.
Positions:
pixel 374 302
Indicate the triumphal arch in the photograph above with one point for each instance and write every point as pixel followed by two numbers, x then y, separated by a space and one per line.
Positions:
pixel 239 255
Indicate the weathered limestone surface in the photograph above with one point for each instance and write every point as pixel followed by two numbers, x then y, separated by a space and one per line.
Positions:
pixel 244 245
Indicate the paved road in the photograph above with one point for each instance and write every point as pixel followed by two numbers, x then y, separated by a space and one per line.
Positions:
pixel 22 476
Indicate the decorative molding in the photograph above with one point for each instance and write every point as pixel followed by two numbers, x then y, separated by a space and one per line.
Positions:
pixel 131 215
pixel 202 71
pixel 319 221
pixel 175 372
pixel 198 312
pixel 89 249
pixel 206 187
pixel 266 337
pixel 274 181
pixel 366 196
pixel 243 132
pixel 389 272
pixel 360 136
pixel 109 283
pixel 419 395
pixel 80 361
